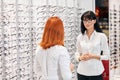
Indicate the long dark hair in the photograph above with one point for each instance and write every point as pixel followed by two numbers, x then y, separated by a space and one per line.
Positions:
pixel 90 15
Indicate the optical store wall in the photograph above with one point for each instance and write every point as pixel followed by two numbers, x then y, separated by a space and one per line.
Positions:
pixel 114 39
pixel 21 28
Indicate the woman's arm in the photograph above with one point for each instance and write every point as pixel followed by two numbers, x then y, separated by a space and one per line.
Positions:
pixel 78 52
pixel 37 67
pixel 64 64
pixel 104 48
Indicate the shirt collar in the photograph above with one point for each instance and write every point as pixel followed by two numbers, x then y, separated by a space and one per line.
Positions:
pixel 94 32
pixel 92 35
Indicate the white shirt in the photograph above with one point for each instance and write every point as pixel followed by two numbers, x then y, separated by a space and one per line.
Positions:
pixel 94 45
pixel 58 63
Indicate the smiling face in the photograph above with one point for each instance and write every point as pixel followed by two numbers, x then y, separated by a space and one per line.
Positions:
pixel 89 24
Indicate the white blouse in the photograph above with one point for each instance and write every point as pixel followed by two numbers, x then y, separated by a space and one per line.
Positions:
pixel 96 44
pixel 52 63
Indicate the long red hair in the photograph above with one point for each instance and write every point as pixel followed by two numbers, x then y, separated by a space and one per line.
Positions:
pixel 53 33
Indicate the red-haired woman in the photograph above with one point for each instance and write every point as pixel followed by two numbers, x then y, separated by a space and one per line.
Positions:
pixel 52 61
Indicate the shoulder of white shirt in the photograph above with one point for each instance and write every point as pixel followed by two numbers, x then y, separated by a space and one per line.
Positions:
pixel 58 47
pixel 98 33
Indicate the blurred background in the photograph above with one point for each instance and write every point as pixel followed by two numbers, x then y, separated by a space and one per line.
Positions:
pixel 22 23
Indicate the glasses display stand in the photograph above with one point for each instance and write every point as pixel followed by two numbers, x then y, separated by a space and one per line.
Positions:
pixel 21 28
pixel 114 38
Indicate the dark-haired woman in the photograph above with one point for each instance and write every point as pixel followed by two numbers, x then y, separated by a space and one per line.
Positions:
pixel 89 45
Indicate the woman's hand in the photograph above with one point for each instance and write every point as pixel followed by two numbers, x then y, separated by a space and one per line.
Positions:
pixel 83 57
pixel 93 56
pixel 88 56
pixel 71 67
